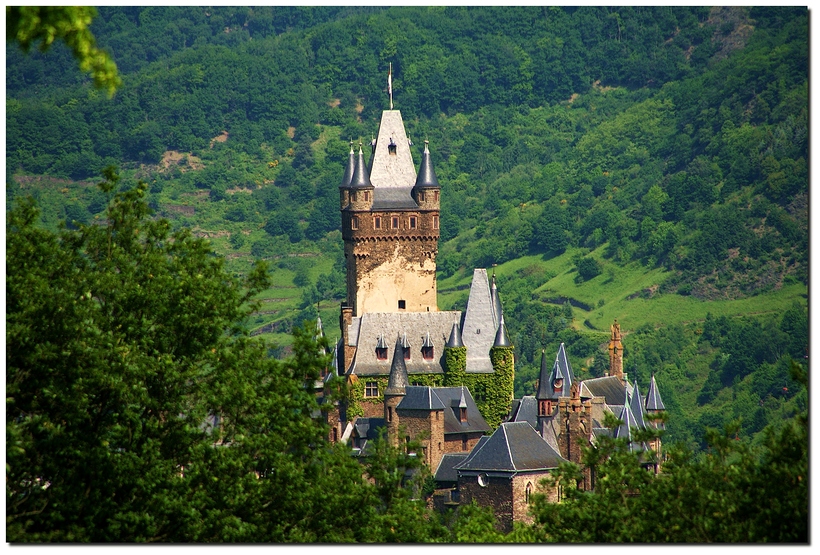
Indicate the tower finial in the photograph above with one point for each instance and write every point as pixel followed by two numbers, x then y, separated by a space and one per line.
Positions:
pixel 390 84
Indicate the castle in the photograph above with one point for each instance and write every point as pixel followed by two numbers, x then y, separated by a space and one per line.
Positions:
pixel 445 378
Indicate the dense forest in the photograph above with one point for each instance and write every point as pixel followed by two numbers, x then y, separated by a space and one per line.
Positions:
pixel 644 163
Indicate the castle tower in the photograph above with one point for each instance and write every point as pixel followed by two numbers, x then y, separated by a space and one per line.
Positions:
pixel 390 226
pixel 394 394
pixel 616 352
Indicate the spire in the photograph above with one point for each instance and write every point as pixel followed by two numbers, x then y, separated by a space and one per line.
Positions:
pixel 636 407
pixel 455 337
pixel 653 397
pixel 627 419
pixel 398 381
pixel 351 167
pixel 544 385
pixel 427 175
pixel 360 177
pixel 496 300
pixel 563 362
pixel 501 338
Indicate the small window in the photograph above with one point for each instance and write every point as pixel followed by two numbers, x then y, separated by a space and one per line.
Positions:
pixel 352 195
pixel 427 353
pixel 557 384
pixel 528 492
pixel 371 389
pixel 381 353
pixel 394 223
pixel 435 222
pixel 354 222
pixel 402 305
pixel 421 195
pixel 407 353
pixel 483 480
pixel 464 442
pixel 377 222
pixel 412 222
pixel 435 196
pixel 462 414
pixel 366 196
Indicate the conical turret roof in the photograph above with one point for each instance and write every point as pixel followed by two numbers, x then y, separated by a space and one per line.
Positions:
pixel 501 337
pixel 455 337
pixel 361 177
pixel 427 175
pixel 653 397
pixel 397 382
pixel 350 169
pixel 637 408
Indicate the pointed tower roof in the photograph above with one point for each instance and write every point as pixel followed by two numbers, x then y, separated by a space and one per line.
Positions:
pixel 398 382
pixel 361 178
pixel 496 300
pixel 638 411
pixel 628 422
pixel 501 338
pixel 560 379
pixel 427 175
pixel 455 337
pixel 351 167
pixel 544 386
pixel 653 397
pixel 562 361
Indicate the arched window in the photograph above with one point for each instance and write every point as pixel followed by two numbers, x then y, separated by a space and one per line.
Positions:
pixel 528 492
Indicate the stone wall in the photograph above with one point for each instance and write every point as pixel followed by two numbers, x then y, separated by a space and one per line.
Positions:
pixel 497 494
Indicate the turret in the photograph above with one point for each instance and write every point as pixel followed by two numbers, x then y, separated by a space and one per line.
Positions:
pixel 361 189
pixel 544 394
pixel 455 337
pixel 396 390
pixel 426 191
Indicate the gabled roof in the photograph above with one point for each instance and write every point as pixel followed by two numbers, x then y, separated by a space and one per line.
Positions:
pixel 513 447
pixel 653 396
pixel 610 388
pixel 420 398
pixel 365 331
pixel 452 398
pixel 367 428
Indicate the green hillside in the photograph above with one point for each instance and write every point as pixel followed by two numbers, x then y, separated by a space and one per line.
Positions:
pixel 640 163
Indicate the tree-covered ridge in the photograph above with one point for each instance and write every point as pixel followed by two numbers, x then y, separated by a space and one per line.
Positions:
pixel 663 142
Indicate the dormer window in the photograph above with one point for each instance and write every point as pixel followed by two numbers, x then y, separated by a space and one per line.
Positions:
pixel 427 348
pixel 391 148
pixel 462 414
pixel 557 384
pixel 381 349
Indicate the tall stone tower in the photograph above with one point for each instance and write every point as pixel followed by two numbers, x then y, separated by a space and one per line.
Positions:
pixel 390 226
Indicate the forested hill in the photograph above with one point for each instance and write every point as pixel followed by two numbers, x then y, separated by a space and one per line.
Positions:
pixel 629 162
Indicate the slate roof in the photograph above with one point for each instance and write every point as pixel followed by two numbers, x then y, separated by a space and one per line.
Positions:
pixel 392 170
pixel 427 175
pixel 360 179
pixel 451 397
pixel 501 337
pixel 653 396
pixel 446 471
pixel 479 325
pixel 610 388
pixel 525 409
pixel 393 199
pixel 455 337
pixel 420 398
pixel 635 405
pixel 397 383
pixel 513 447
pixel 349 169
pixel 364 333
pixel 561 369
